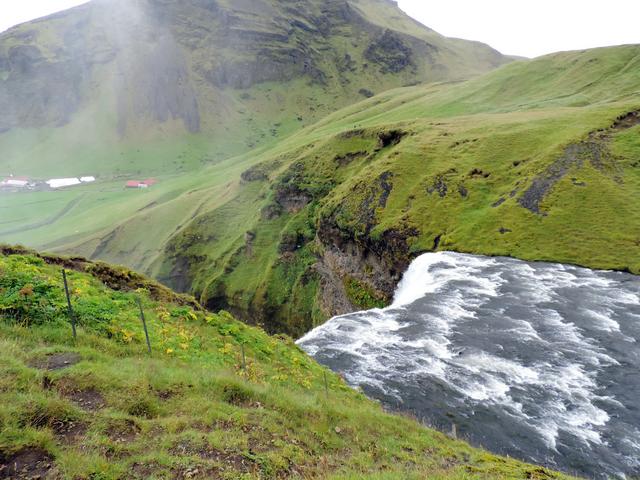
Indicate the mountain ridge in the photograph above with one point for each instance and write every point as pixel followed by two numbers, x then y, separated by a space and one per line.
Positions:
pixel 520 161
pixel 125 73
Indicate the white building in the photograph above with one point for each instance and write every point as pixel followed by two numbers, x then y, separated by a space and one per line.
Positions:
pixel 15 183
pixel 87 179
pixel 63 182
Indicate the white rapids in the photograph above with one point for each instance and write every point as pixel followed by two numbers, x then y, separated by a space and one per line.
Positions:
pixel 536 360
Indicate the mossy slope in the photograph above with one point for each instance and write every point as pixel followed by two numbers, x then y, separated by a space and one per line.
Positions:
pixel 537 160
pixel 100 407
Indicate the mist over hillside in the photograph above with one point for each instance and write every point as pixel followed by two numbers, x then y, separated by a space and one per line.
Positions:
pixel 98 86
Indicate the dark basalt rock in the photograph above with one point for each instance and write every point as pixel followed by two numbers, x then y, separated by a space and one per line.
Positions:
pixel 271 212
pixel 595 150
pixel 269 65
pixel 439 185
pixel 23 59
pixel 347 158
pixel 366 93
pixel 477 173
pixel 291 198
pixel 254 174
pixel 390 53
pixel 390 138
pixel 291 242
pixel 377 263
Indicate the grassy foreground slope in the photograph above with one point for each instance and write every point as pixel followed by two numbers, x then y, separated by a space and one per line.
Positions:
pixel 101 408
pixel 539 160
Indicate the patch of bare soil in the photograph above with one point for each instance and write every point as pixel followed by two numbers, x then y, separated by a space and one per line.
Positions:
pixel 227 461
pixel 142 470
pixel 70 432
pixel 56 361
pixel 124 431
pixel 30 463
pixel 196 472
pixel 90 400
pixel 538 473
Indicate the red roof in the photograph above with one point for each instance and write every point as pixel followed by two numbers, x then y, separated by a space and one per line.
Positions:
pixel 133 183
pixel 150 181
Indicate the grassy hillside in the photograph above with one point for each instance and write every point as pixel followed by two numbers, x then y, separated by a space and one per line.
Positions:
pixel 129 90
pixel 537 160
pixel 101 407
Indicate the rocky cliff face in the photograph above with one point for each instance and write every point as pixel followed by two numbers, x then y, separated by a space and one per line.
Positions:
pixel 311 253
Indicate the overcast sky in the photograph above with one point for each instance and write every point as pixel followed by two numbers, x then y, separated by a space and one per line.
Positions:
pixel 517 27
pixel 532 27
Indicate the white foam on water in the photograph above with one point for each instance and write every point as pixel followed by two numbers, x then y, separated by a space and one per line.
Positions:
pixel 490 364
pixel 420 279
pixel 603 319
pixel 554 391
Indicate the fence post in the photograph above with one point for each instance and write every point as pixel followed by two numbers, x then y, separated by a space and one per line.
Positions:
pixel 326 384
pixel 72 316
pixel 244 360
pixel 144 325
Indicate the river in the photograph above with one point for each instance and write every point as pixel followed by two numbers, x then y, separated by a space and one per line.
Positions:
pixel 538 361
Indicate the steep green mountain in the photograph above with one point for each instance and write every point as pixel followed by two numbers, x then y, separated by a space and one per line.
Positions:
pixel 539 160
pixel 215 399
pixel 120 87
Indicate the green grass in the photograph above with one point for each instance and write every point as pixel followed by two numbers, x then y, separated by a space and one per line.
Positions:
pixel 190 409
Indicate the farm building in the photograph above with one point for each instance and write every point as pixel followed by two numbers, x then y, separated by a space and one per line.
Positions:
pixel 14 182
pixel 141 184
pixel 63 182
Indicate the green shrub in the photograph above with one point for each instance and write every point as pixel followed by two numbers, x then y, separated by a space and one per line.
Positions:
pixel 143 407
pixel 362 295
pixel 44 412
pixel 237 394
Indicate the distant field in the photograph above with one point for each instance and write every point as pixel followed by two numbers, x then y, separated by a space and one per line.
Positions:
pixel 143 219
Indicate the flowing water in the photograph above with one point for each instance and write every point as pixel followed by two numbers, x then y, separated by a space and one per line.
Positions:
pixel 535 360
